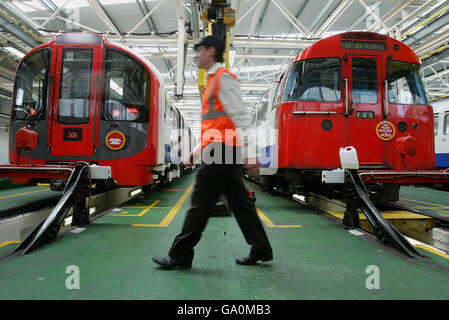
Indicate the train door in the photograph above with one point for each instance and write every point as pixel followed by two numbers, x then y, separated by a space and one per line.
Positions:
pixel 77 85
pixel 365 108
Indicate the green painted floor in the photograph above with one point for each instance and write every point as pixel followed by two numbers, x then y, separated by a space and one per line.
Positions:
pixel 10 198
pixel 319 260
pixel 425 200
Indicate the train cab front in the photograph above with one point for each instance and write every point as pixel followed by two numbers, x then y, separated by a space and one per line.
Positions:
pixel 79 98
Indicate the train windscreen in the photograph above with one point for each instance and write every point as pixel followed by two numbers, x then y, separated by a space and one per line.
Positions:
pixel 314 80
pixel 404 84
pixel 126 87
pixel 30 90
pixel 74 92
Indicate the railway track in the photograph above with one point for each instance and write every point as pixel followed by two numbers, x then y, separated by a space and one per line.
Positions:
pixel 444 221
pixel 19 224
pixel 29 207
pixel 420 225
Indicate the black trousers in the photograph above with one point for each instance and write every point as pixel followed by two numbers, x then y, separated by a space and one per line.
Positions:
pixel 213 180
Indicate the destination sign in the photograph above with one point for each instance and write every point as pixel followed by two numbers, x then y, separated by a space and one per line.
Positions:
pixel 363 45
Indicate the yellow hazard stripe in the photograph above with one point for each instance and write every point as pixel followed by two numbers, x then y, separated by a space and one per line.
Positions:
pixel 270 223
pixel 172 213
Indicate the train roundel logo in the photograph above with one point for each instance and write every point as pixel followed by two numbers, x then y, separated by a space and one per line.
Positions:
pixel 115 140
pixel 385 130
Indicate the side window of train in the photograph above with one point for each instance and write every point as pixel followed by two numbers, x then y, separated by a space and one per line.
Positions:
pixel 276 93
pixel 446 123
pixel 314 80
pixel 262 109
pixel 404 83
pixel 364 80
pixel 30 90
pixel 173 122
pixel 127 88
pixel 436 119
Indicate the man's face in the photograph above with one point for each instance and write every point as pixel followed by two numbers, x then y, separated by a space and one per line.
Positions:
pixel 204 56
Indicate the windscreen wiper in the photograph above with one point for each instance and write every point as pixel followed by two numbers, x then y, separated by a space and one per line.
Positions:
pixel 109 117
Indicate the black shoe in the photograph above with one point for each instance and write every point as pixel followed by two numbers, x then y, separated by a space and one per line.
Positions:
pixel 253 258
pixel 170 263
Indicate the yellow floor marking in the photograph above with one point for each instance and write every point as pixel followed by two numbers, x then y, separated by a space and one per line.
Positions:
pixel 4 244
pixel 385 214
pixel 22 194
pixel 431 204
pixel 146 209
pixel 270 223
pixel 441 254
pixel 43 184
pixel 172 213
pixel 439 210
pixel 135 207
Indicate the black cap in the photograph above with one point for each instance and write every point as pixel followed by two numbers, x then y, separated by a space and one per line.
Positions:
pixel 211 41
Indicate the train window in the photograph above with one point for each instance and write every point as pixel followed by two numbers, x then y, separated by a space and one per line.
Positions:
pixel 31 85
pixel 404 84
pixel 364 80
pixel 173 119
pixel 262 109
pixel 276 93
pixel 446 123
pixel 314 80
pixel 74 90
pixel 436 119
pixel 126 88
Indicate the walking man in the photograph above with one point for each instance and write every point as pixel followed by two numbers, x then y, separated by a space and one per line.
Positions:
pixel 223 113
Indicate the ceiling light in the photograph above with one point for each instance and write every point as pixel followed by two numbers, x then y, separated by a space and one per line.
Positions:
pixel 15 52
pixel 231 57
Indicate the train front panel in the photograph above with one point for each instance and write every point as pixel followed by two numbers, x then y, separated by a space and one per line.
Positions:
pixel 87 100
pixel 355 89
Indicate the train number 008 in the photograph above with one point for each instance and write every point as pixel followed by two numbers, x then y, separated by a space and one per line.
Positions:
pixel 73 135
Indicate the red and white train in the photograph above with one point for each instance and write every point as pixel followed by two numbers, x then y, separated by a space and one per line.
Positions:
pixel 358 89
pixel 82 98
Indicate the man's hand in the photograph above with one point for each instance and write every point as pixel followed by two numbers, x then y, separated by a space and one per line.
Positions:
pixel 252 166
pixel 189 159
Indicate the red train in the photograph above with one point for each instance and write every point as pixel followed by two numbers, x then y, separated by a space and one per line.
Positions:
pixel 82 98
pixel 357 89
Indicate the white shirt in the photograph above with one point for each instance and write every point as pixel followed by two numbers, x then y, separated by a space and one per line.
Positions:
pixel 230 96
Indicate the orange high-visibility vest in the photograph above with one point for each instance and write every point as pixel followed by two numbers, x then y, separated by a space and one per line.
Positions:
pixel 216 126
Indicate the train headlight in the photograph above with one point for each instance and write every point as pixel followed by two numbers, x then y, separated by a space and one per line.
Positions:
pixel 116 113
